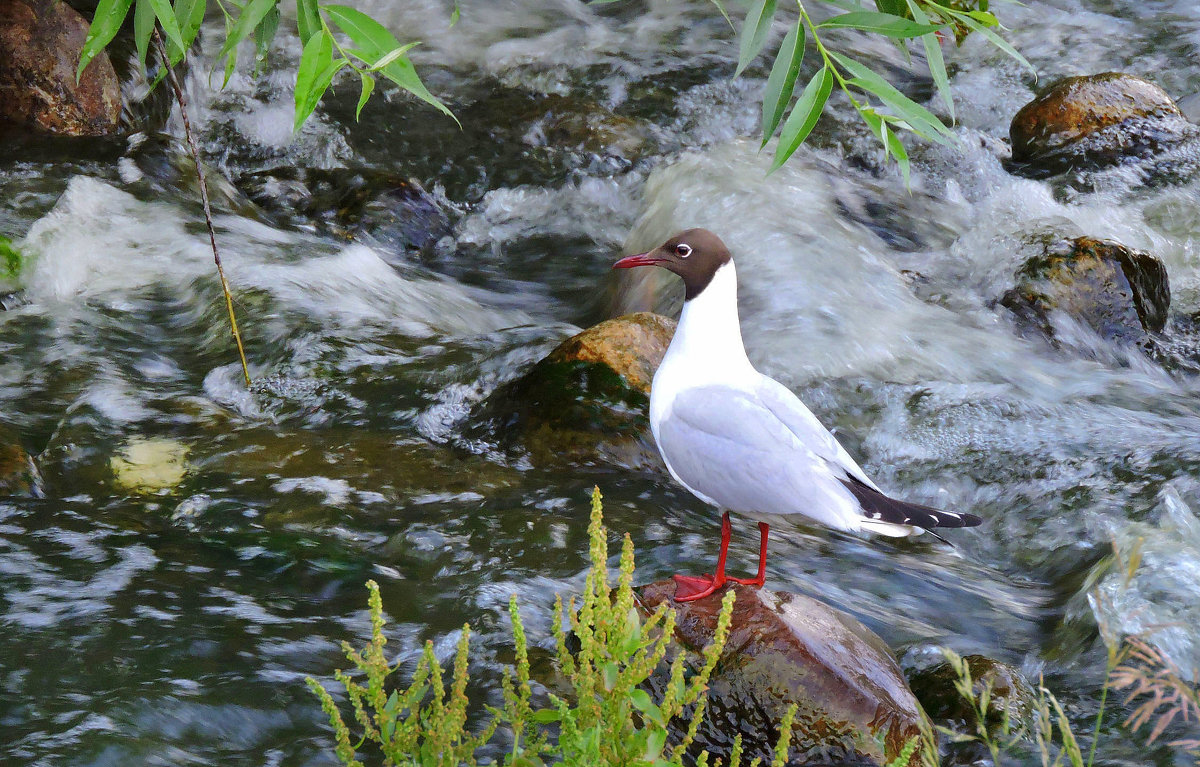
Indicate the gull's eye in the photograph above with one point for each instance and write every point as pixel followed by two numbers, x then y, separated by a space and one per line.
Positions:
pixel 683 250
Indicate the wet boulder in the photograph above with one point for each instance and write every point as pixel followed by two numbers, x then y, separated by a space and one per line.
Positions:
pixel 351 202
pixel 1007 691
pixel 1096 121
pixel 587 127
pixel 40 41
pixel 1120 293
pixel 18 475
pixel 587 400
pixel 853 703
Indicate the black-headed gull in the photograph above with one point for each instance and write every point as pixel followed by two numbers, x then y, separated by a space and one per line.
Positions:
pixel 742 441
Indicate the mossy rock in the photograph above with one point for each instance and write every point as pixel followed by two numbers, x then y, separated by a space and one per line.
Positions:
pixel 1121 293
pixel 40 42
pixel 854 706
pixel 1009 693
pixel 18 475
pixel 1093 121
pixel 587 400
pixel 589 127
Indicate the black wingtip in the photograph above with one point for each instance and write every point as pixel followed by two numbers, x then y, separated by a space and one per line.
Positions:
pixel 880 507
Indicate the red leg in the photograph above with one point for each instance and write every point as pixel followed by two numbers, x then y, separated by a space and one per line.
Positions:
pixel 763 531
pixel 689 588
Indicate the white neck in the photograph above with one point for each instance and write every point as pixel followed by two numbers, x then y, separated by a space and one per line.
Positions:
pixel 709 331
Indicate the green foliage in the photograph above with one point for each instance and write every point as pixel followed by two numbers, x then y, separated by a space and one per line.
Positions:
pixel 884 109
pixel 996 740
pixel 906 754
pixel 11 259
pixel 334 37
pixel 602 718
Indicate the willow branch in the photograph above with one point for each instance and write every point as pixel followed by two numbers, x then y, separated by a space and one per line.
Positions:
pixel 212 232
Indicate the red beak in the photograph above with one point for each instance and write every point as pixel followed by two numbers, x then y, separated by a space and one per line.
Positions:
pixel 641 259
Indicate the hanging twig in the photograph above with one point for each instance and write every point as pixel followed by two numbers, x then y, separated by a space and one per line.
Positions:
pixel 212 233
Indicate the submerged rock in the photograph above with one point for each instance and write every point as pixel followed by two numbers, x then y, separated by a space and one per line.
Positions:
pixel 350 203
pixel 854 705
pixel 150 465
pixel 587 400
pixel 1009 692
pixel 40 41
pixel 586 126
pixel 1094 121
pixel 18 475
pixel 1119 292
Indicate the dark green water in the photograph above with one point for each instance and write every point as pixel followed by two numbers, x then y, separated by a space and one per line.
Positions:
pixel 175 626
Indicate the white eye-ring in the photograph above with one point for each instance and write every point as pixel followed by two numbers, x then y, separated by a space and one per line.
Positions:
pixel 683 250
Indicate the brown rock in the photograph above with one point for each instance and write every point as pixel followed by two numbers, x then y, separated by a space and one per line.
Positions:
pixel 592 128
pixel 1093 121
pixel 40 41
pixel 17 473
pixel 587 400
pixel 854 705
pixel 1008 692
pixel 1119 292
pixel 632 346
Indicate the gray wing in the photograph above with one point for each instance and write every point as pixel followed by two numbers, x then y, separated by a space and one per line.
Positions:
pixel 728 446
pixel 788 408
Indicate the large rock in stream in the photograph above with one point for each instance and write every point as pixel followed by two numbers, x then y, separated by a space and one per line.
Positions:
pixel 1121 293
pixel 587 400
pixel 40 41
pixel 1096 121
pixel 854 705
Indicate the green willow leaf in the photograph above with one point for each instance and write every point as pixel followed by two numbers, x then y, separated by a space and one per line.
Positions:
pixel 455 15
pixel 374 42
pixel 725 13
pixel 143 29
pixel 264 34
pixel 754 32
pixel 247 21
pixel 804 116
pixel 231 59
pixel 920 120
pixel 391 56
pixel 308 19
pixel 782 82
pixel 894 7
pixel 372 38
pixel 110 14
pixel 895 147
pixel 995 40
pixel 170 27
pixel 879 23
pixel 190 15
pixel 314 74
pixel 933 56
pixel 368 85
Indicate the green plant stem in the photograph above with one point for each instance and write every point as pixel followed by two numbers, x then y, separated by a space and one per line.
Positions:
pixel 1113 659
pixel 816 38
pixel 212 232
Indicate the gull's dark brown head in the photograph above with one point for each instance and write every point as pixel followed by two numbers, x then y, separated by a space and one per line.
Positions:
pixel 695 255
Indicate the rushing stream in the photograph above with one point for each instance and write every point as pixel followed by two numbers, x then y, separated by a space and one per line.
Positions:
pixel 175 627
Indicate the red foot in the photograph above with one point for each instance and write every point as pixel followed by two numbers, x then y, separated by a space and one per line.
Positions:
pixel 689 588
